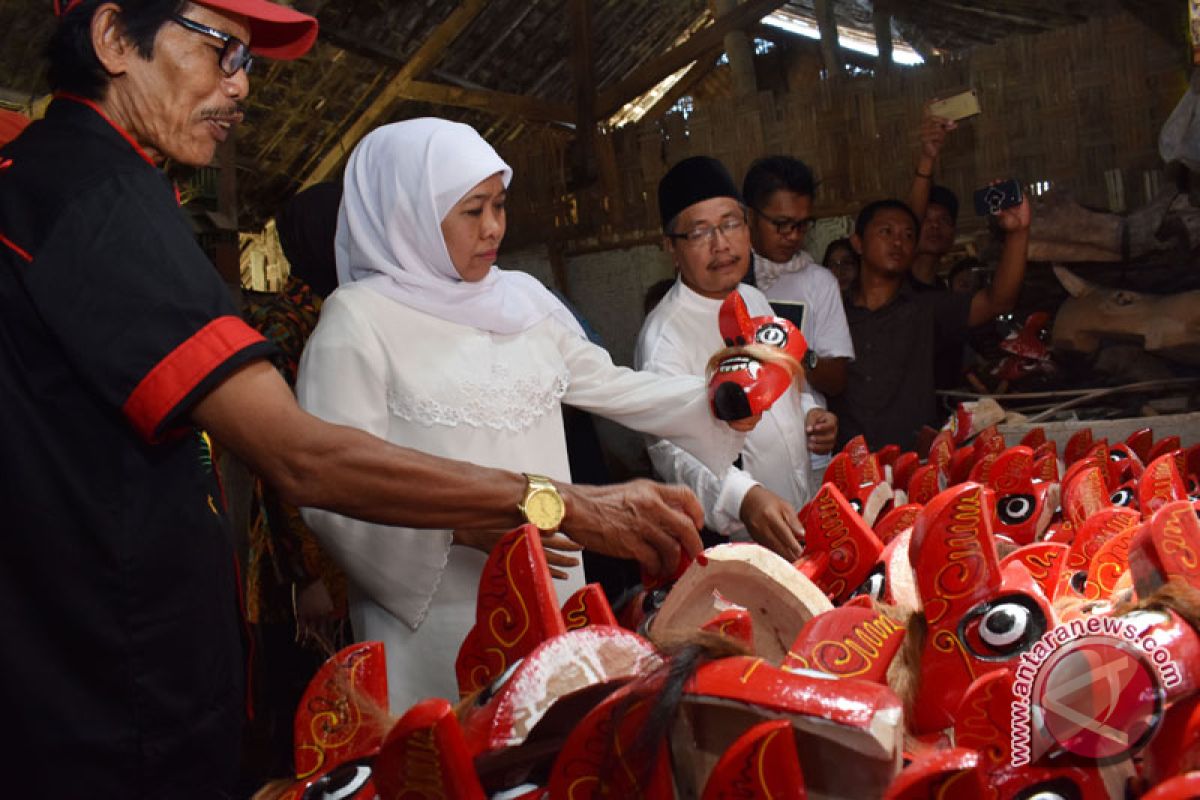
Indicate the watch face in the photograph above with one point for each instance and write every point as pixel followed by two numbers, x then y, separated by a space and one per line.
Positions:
pixel 544 508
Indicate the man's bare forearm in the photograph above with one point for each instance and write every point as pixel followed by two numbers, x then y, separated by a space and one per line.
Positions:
pixel 1001 296
pixel 315 463
pixel 361 476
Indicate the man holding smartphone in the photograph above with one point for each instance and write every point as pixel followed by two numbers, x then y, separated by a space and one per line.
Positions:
pixel 897 329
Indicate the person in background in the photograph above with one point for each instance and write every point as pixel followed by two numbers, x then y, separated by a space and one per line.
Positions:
pixel 936 206
pixel 779 193
pixel 294 594
pixel 707 236
pixel 896 328
pixel 842 261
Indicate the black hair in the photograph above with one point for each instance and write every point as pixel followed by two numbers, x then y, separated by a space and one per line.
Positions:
pixel 73 66
pixel 772 173
pixel 945 198
pixel 867 214
pixel 838 244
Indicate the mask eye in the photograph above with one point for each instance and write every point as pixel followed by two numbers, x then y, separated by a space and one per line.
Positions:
pixel 1013 509
pixel 856 504
pixel 341 783
pixel 1003 628
pixel 1117 455
pixel 771 334
pixel 1122 497
pixel 874 586
pixel 1057 789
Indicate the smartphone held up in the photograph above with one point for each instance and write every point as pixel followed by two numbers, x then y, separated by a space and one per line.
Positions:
pixel 997 197
pixel 956 107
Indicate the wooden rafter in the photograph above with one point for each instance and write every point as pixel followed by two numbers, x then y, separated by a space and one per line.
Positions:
pixel 646 76
pixel 425 56
pixel 499 103
pixel 704 65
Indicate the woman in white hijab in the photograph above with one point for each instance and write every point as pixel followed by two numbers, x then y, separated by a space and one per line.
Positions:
pixel 428 344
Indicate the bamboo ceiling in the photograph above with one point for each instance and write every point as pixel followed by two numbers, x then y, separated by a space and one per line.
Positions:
pixel 507 66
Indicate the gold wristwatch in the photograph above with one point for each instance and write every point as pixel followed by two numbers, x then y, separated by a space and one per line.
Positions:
pixel 542 505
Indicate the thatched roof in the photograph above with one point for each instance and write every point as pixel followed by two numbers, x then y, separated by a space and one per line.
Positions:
pixel 507 66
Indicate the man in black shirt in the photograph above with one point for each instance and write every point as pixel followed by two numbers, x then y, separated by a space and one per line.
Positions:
pixel 896 329
pixel 122 671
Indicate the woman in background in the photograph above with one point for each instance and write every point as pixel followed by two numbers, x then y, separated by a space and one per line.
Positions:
pixel 842 261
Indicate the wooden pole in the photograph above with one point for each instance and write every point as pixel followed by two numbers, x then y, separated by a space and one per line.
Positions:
pixel 882 18
pixel 827 23
pixel 740 51
pixel 583 171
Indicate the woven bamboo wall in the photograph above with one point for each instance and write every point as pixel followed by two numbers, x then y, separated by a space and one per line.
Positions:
pixel 1064 106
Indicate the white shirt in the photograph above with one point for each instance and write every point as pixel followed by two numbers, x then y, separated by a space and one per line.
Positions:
pixel 678 338
pixel 802 280
pixel 456 391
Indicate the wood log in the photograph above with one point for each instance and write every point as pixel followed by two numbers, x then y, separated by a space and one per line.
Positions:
pixel 1167 325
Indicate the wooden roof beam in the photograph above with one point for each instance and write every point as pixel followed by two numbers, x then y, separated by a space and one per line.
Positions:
pixel 610 99
pixel 426 55
pixel 704 65
pixel 498 103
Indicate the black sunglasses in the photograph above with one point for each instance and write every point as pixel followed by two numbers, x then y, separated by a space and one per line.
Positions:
pixel 234 53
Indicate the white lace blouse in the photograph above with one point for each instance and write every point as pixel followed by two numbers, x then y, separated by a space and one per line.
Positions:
pixel 455 391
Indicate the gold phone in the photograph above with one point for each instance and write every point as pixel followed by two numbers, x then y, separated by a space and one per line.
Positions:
pixel 956 107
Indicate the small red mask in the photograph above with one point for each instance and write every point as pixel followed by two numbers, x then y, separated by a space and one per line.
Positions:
pixel 742 386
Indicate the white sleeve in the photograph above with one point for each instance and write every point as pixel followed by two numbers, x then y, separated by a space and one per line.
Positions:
pixel 720 497
pixel 343 378
pixel 720 491
pixel 831 334
pixel 674 407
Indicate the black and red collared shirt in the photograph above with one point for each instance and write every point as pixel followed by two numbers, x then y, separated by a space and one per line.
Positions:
pixel 122 667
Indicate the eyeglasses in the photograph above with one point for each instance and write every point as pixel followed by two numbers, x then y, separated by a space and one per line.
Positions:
pixel 706 234
pixel 234 53
pixel 786 225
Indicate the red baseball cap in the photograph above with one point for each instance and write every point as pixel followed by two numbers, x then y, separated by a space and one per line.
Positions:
pixel 276 31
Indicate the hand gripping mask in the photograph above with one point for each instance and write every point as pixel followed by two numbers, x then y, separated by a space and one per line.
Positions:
pixel 761 360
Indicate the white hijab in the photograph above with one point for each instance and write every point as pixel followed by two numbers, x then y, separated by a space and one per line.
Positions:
pixel 401 181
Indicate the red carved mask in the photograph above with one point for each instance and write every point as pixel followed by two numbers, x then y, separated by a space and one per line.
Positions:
pixel 979 616
pixel 742 386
